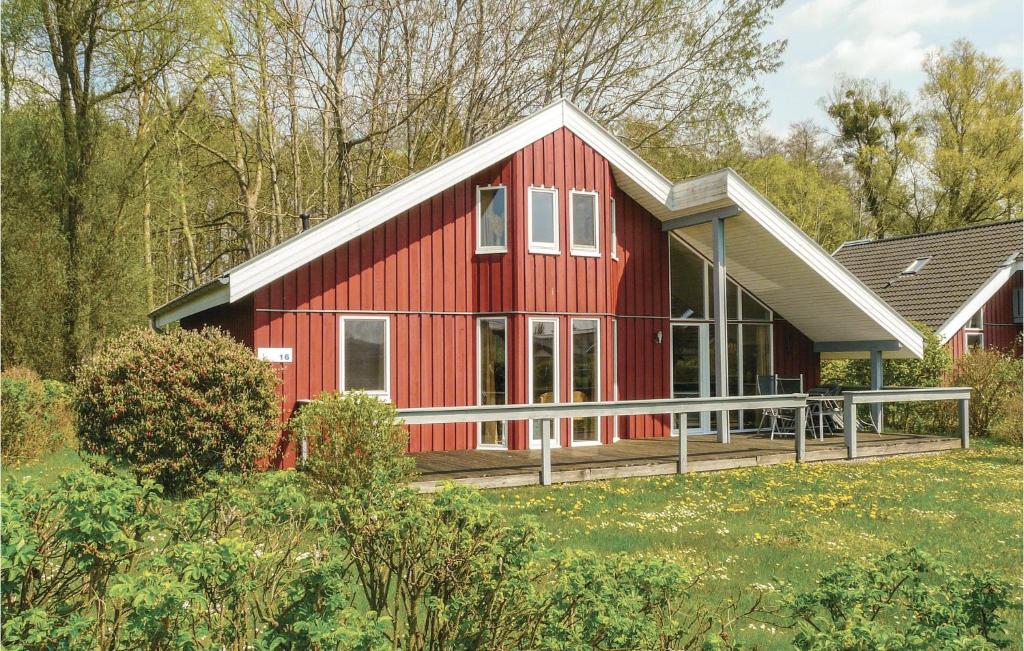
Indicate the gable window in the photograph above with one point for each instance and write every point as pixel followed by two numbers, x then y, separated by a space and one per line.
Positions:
pixel 615 232
pixel 686 281
pixel 974 331
pixel 365 360
pixel 583 222
pixel 491 219
pixel 543 220
pixel 491 349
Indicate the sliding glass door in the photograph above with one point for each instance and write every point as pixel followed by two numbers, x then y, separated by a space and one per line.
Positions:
pixel 690 377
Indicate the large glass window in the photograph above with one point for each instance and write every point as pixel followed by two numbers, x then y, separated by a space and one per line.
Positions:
pixel 543 373
pixel 583 214
pixel 686 281
pixel 492 333
pixel 756 357
pixel 543 220
pixel 585 344
pixel 491 220
pixel 752 309
pixel 364 364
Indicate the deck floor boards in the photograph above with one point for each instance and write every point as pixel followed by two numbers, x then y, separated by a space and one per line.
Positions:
pixel 470 465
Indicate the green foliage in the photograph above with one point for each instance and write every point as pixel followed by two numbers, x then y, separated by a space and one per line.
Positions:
pixel 903 600
pixel 355 442
pixel 36 416
pixel 996 399
pixel 176 406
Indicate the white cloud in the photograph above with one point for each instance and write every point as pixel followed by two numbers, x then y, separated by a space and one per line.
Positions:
pixel 881 55
pixel 881 16
pixel 1010 52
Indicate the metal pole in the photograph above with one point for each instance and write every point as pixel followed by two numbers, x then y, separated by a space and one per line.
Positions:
pixel 682 444
pixel 799 433
pixel 718 289
pixel 545 452
pixel 965 424
pixel 877 381
pixel 850 426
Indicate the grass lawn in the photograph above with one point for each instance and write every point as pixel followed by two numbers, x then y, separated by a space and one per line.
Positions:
pixel 791 522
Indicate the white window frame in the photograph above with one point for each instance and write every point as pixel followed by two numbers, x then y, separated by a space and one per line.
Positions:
pixel 385 394
pixel 972 331
pixel 556 440
pixel 614 230
pixel 542 248
pixel 597 376
pixel 480 248
pixel 587 251
pixel 479 383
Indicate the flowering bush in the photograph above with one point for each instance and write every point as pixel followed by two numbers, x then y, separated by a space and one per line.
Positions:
pixel 996 399
pixel 176 406
pixel 36 416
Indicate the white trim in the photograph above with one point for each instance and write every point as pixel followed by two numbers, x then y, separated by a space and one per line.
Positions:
pixel 614 230
pixel 543 248
pixel 556 438
pixel 480 248
pixel 585 249
pixel 479 384
pixel 977 300
pixel 386 394
pixel 597 376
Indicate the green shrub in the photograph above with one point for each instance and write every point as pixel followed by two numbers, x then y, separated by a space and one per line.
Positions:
pixel 354 442
pixel 35 416
pixel 176 406
pixel 903 600
pixel 996 398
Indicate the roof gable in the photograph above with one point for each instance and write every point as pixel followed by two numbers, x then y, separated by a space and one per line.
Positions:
pixel 960 264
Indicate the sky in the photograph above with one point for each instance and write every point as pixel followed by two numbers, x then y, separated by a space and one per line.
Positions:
pixel 881 39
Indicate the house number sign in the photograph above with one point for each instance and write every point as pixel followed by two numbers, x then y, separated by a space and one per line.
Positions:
pixel 282 355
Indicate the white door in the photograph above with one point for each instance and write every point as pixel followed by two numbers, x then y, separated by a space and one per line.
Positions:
pixel 543 342
pixel 691 376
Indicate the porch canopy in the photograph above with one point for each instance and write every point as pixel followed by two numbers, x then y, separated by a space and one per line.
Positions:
pixel 772 258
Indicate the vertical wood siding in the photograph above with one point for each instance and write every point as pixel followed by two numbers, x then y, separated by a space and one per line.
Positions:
pixel 794 353
pixel 421 270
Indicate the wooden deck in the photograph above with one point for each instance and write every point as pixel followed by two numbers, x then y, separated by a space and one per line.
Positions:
pixel 638 458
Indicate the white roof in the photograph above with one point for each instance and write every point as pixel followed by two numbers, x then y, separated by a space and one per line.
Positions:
pixel 765 251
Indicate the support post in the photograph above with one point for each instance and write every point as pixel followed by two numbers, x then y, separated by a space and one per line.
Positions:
pixel 850 426
pixel 719 300
pixel 799 433
pixel 965 424
pixel 545 452
pixel 877 381
pixel 683 463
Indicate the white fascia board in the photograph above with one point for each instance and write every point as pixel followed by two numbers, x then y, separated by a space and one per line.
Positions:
pixel 388 204
pixel 202 298
pixel 773 221
pixel 977 300
pixel 618 155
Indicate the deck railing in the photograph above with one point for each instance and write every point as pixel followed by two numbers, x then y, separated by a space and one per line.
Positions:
pixel 553 411
pixel 878 396
pixel 682 406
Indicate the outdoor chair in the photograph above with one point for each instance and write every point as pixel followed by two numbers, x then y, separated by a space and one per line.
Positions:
pixel 825 413
pixel 780 421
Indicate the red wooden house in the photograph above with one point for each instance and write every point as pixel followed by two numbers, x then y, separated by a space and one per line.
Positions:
pixel 547 263
pixel 964 284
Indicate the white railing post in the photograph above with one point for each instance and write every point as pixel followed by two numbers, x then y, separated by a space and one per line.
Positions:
pixel 850 426
pixel 682 443
pixel 799 433
pixel 965 423
pixel 545 452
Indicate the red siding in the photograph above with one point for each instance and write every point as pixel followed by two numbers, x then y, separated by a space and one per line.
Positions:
pixel 420 269
pixel 794 354
pixel 234 318
pixel 1001 333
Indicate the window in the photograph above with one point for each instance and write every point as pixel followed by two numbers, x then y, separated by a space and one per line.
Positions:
pixel 365 363
pixel 583 222
pixel 977 321
pixel 615 232
pixel 543 375
pixel 585 377
pixel 916 265
pixel 491 220
pixel 686 280
pixel 543 220
pixel 974 331
pixel 975 340
pixel 752 310
pixel 491 350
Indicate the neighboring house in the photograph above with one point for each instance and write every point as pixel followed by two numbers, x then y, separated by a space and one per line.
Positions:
pixel 547 263
pixel 964 284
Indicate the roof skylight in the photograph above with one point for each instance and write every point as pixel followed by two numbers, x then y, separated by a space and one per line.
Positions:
pixel 916 265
